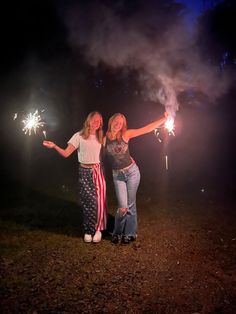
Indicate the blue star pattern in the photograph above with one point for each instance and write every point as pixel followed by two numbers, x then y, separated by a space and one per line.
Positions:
pixel 88 200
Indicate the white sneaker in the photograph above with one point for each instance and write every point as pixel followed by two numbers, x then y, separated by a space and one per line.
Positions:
pixel 97 237
pixel 87 238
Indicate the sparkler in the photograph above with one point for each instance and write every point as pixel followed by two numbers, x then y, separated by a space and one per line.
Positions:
pixel 32 122
pixel 169 125
pixel 166 157
pixel 157 133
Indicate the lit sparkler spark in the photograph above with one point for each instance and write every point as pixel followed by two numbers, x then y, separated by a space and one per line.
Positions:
pixel 166 158
pixel 32 122
pixel 157 133
pixel 15 116
pixel 169 125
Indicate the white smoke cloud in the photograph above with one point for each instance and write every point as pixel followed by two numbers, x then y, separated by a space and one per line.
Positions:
pixel 150 39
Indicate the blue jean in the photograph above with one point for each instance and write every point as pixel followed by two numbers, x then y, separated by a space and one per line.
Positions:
pixel 126 184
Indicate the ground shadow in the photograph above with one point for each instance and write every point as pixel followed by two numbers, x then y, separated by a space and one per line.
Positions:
pixel 37 209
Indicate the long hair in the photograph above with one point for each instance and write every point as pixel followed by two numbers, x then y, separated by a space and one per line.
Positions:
pixel 121 132
pixel 85 132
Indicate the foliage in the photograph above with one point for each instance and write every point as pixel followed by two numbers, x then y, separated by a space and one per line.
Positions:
pixel 216 37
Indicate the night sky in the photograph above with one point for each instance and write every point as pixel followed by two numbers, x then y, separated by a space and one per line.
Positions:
pixel 136 57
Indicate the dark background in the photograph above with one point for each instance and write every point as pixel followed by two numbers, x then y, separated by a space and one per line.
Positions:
pixel 41 70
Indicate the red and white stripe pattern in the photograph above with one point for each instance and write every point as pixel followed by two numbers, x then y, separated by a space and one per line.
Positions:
pixel 100 184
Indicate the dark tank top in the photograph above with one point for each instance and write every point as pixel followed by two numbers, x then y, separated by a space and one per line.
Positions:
pixel 118 153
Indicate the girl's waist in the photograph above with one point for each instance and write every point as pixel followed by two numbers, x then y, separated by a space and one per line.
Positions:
pixel 88 165
pixel 125 168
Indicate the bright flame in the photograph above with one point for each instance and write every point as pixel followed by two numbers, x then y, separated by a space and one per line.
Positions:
pixel 169 125
pixel 32 122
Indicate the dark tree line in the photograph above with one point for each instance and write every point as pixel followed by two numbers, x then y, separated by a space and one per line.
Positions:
pixel 216 37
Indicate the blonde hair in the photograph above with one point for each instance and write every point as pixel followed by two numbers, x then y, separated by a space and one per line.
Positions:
pixel 121 132
pixel 85 132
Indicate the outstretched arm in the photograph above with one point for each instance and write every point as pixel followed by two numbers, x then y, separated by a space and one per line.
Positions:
pixel 63 152
pixel 130 133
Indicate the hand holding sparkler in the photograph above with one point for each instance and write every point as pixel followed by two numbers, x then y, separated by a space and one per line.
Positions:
pixel 63 152
pixel 49 144
pixel 169 125
pixel 166 114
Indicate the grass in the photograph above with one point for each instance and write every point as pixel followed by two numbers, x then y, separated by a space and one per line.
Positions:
pixel 182 262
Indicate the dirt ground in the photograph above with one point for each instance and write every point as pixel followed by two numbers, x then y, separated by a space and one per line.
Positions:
pixel 184 260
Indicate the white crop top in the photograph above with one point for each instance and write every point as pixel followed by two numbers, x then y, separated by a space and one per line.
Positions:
pixel 88 150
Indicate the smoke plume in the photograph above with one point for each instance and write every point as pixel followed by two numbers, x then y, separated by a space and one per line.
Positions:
pixel 150 37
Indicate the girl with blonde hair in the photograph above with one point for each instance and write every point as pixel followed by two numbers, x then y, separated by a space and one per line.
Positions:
pixel 126 175
pixel 92 187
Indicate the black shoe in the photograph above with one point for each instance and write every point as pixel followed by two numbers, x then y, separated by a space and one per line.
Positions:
pixel 115 239
pixel 125 240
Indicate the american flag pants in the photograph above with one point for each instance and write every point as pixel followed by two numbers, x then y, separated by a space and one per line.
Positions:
pixel 92 195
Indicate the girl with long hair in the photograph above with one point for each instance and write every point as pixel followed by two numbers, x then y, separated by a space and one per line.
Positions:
pixel 126 175
pixel 92 187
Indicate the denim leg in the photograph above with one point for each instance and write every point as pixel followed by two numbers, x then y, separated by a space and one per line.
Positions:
pixel 126 185
pixel 133 179
pixel 121 194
